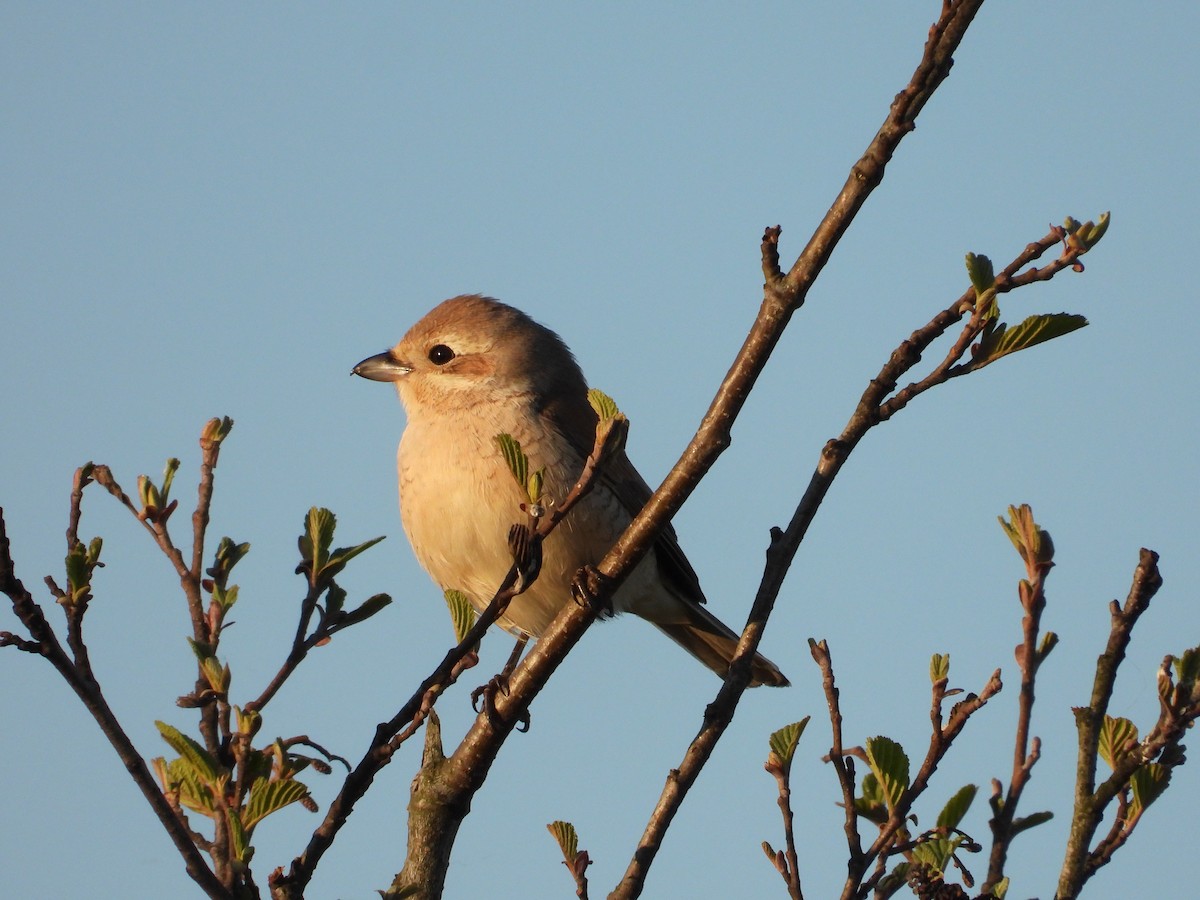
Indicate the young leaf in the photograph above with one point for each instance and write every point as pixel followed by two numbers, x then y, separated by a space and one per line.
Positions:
pixel 364 611
pixel 1115 735
pixel 342 555
pixel 936 852
pixel 462 613
pixel 939 667
pixel 514 457
pixel 568 840
pixel 783 743
pixel 956 807
pixel 1149 781
pixel 169 471
pixel 1024 823
pixel 871 805
pixel 238 836
pixel 189 750
pixel 267 797
pixel 889 764
pixel 1187 667
pixel 319 525
pixel 194 792
pixel 604 405
pixel 1003 340
pixel 215 674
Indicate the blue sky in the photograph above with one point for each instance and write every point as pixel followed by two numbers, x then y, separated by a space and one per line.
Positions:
pixel 219 209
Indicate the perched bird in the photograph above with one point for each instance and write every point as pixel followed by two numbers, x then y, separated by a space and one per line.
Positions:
pixel 474 368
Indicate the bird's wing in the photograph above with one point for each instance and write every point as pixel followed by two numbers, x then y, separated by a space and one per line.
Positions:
pixel 578 422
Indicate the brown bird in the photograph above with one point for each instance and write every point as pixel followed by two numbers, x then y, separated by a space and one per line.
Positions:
pixel 474 368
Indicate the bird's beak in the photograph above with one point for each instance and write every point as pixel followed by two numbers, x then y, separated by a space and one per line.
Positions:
pixel 381 367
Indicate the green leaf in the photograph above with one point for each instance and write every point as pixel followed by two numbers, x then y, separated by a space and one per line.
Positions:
pixel 983 276
pixel 956 807
pixel 215 674
pixel 1001 888
pixel 783 743
pixel 1148 782
pixel 190 751
pixel 871 805
pixel 1024 823
pixel 604 405
pixel 1032 542
pixel 368 608
pixel 267 797
pixel 169 471
pixel 936 852
pixel 343 555
pixel 1038 329
pixel 319 525
pixel 225 597
pixel 239 836
pixel 939 667
pixel 894 880
pixel 889 764
pixel 514 457
pixel 1089 233
pixel 79 576
pixel 568 841
pixel 229 555
pixel 462 613
pixel 194 792
pixel 1187 667
pixel 1115 734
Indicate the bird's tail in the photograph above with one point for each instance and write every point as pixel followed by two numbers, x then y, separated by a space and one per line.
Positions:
pixel 712 642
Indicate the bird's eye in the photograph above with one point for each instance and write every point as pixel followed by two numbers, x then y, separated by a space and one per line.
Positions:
pixel 440 354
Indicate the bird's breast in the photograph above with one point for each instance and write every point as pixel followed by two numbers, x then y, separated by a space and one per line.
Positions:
pixel 458 500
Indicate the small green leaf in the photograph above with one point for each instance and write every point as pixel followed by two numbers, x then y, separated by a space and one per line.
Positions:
pixel 1049 642
pixel 936 852
pixel 342 555
pixel 939 667
pixel 1115 735
pixel 889 764
pixel 93 552
pixel 1148 782
pixel 215 674
pixel 225 597
pixel 533 490
pixel 239 836
pixel 566 837
pixel 1001 888
pixel 872 804
pixel 462 613
pixel 514 457
pixel 1024 823
pixel 956 807
pixel 783 743
pixel 981 273
pixel 267 797
pixel 319 525
pixel 604 405
pixel 365 610
pixel 1187 667
pixel 194 792
pixel 195 755
pixel 79 575
pixel 1033 543
pixel 169 471
pixel 1038 329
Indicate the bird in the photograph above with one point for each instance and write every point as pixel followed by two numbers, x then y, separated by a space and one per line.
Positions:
pixel 474 368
